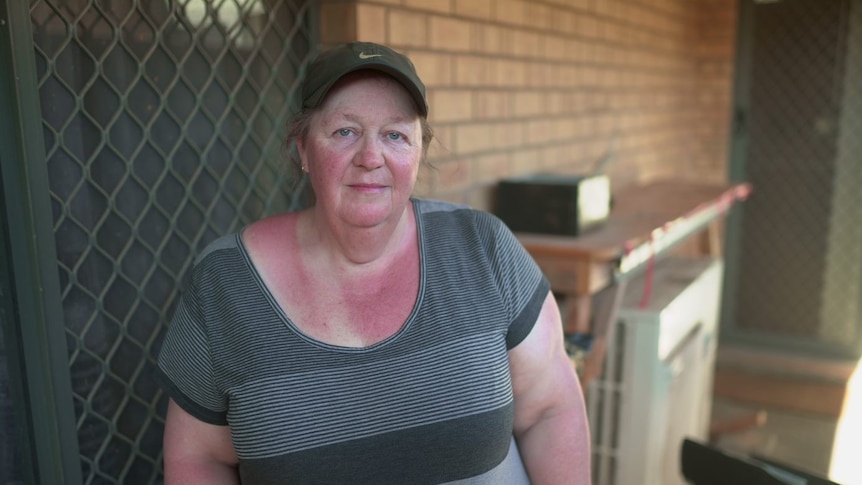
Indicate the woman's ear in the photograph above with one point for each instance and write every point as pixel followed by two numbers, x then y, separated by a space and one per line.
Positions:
pixel 300 145
pixel 300 153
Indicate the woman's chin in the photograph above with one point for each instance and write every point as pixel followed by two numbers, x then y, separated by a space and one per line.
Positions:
pixel 368 215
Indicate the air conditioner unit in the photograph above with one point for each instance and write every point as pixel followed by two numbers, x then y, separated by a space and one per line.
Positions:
pixel 656 384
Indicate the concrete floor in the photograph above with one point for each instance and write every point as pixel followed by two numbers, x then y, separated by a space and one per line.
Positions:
pixel 813 411
pixel 802 440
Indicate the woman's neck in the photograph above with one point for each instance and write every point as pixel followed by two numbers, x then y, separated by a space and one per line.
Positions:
pixel 347 246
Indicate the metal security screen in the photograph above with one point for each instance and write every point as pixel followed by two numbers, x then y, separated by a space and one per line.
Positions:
pixel 163 124
pixel 798 277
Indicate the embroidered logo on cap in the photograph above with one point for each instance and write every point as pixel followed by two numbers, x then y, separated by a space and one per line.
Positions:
pixel 363 55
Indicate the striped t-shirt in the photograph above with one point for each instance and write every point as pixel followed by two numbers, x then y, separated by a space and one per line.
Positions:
pixel 430 404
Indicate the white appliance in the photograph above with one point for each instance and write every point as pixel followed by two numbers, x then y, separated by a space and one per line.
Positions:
pixel 656 384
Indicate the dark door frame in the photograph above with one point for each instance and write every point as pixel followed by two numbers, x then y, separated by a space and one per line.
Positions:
pixel 30 303
pixel 736 163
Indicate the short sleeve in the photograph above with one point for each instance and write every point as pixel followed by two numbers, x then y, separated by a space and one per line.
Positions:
pixel 526 320
pixel 185 369
pixel 521 283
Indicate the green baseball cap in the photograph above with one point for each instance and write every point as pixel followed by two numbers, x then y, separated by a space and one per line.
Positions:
pixel 332 64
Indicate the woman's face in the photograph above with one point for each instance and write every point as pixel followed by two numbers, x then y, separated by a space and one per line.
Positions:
pixel 363 149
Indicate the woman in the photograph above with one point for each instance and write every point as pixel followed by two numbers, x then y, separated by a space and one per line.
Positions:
pixel 375 337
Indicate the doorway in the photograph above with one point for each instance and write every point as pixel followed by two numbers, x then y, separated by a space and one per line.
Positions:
pixel 794 276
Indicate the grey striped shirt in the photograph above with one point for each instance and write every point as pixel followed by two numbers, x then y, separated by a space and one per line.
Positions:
pixel 431 404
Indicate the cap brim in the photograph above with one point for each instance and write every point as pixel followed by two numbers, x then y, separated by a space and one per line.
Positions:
pixel 315 98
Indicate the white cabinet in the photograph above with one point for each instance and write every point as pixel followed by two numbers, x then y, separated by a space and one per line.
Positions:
pixel 656 385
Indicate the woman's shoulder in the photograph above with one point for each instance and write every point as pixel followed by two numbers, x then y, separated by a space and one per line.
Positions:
pixel 271 244
pixel 269 230
pixel 429 206
pixel 218 261
pixel 260 232
pixel 226 242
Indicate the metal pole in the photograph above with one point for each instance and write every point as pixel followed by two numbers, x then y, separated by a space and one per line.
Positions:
pixel 31 313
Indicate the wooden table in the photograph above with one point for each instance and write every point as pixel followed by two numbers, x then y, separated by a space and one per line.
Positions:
pixel 590 270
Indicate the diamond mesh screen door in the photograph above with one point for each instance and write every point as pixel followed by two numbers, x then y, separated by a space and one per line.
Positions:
pixel 795 265
pixel 162 123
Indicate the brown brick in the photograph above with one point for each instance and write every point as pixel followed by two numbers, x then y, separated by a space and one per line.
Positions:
pixel 407 29
pixel 584 5
pixel 527 103
pixel 450 105
pixel 474 137
pixel 462 197
pixel 552 79
pixel 491 168
pixel 564 21
pixel 492 104
pixel 491 39
pixel 717 50
pixel 481 197
pixel 371 24
pixel 543 74
pixel 509 73
pixel 438 6
pixel 576 50
pixel 553 48
pixel 441 146
pixel 449 34
pixel 526 44
pixel 526 161
pixel 587 26
pixel 509 134
pixel 478 9
pixel 510 12
pixel 556 102
pixel 337 23
pixel 539 131
pixel 471 71
pixel 454 174
pixel 589 75
pixel 424 182
pixel 538 16
pixel 434 69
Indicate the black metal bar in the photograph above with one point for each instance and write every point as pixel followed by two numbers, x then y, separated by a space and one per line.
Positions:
pixel 31 296
pixel 706 465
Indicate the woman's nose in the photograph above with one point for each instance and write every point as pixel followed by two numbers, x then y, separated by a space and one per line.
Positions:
pixel 370 155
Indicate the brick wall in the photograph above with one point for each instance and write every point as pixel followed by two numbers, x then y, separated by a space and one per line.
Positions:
pixel 518 86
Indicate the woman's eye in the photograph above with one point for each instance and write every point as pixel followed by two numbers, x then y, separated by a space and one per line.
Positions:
pixel 344 132
pixel 394 136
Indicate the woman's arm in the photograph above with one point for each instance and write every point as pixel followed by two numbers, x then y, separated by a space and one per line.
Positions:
pixel 550 419
pixel 197 452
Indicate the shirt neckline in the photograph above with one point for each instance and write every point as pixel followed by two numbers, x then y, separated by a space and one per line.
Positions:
pixel 293 328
